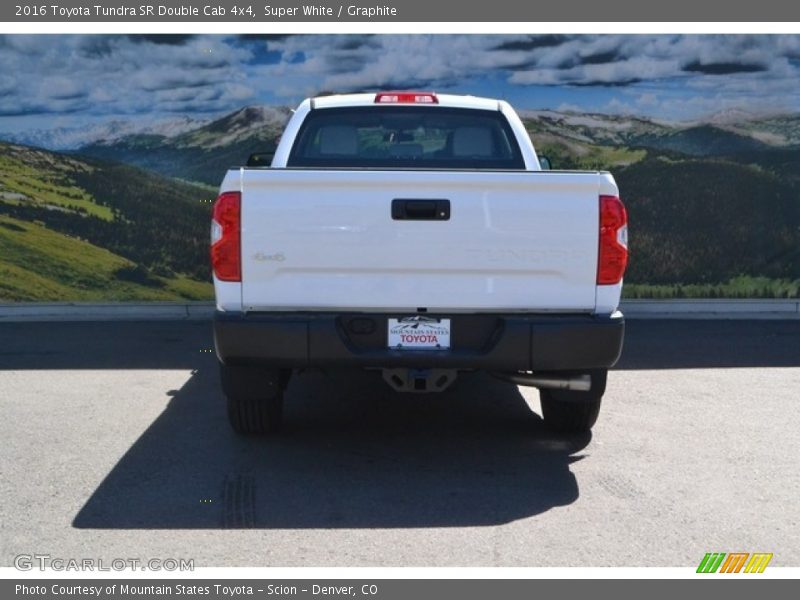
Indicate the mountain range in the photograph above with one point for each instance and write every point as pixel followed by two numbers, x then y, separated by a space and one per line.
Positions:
pixel 202 154
pixel 76 228
pixel 72 138
pixel 125 214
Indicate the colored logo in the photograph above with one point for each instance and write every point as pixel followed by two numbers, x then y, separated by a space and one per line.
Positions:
pixel 734 562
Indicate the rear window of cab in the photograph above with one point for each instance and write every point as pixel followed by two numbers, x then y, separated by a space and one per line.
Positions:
pixel 417 137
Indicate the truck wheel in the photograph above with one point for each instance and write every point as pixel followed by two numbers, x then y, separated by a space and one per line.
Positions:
pixel 254 396
pixel 569 411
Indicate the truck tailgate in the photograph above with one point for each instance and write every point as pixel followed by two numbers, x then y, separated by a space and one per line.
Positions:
pixel 327 239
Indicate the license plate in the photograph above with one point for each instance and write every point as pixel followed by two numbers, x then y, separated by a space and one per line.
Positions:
pixel 419 333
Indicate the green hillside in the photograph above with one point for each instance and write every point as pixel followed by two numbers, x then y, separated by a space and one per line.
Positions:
pixel 567 153
pixel 80 229
pixel 703 140
pixel 35 177
pixel 709 220
pixel 713 213
pixel 40 264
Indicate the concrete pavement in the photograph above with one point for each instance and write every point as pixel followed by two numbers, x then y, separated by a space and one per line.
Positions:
pixel 114 442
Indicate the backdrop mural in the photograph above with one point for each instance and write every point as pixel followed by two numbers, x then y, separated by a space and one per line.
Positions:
pixel 111 147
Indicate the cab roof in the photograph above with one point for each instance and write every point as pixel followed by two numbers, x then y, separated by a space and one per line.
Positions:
pixel 369 99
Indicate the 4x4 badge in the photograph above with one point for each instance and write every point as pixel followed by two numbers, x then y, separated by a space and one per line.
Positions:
pixel 261 257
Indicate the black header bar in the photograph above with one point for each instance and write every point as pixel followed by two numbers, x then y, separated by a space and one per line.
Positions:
pixel 439 11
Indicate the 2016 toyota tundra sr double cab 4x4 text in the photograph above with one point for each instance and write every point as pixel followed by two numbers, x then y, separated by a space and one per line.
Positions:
pixel 416 234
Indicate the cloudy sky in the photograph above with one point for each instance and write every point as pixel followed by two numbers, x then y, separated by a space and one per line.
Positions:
pixel 49 81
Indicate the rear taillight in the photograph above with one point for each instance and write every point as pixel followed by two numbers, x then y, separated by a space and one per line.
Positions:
pixel 406 98
pixel 226 253
pixel 613 253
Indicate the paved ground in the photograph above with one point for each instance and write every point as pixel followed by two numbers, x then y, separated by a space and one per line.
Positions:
pixel 114 443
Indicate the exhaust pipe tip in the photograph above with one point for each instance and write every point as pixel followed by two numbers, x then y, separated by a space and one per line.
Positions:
pixel 578 383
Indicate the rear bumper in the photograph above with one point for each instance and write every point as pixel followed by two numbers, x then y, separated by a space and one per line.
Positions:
pixel 478 341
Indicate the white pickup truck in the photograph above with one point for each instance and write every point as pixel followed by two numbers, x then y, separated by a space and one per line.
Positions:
pixel 416 234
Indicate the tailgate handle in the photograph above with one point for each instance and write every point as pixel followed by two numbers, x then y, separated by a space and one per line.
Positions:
pixel 408 209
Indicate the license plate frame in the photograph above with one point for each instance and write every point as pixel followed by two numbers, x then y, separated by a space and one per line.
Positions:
pixel 418 332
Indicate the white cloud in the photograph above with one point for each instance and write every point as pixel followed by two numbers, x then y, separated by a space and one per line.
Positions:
pixel 744 67
pixel 118 75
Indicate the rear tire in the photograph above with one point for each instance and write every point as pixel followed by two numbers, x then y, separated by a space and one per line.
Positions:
pixel 254 397
pixel 570 411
